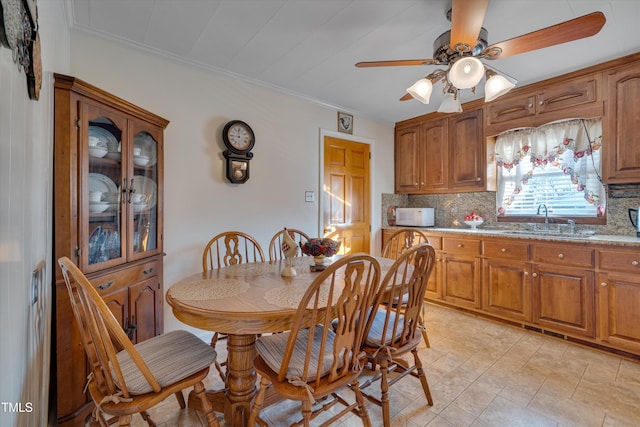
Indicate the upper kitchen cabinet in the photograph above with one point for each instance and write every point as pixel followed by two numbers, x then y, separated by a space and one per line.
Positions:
pixel 545 102
pixel 621 129
pixel 420 157
pixel 440 154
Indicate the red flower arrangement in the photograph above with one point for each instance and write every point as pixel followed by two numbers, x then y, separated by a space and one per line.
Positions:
pixel 320 247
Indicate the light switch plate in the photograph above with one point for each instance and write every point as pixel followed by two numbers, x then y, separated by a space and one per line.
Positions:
pixel 309 196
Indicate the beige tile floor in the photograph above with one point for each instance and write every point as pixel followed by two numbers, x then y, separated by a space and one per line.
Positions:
pixel 484 374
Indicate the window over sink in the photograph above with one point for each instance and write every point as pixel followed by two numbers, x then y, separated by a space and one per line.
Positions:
pixel 552 170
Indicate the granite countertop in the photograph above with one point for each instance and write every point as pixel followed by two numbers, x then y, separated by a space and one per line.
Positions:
pixel 602 239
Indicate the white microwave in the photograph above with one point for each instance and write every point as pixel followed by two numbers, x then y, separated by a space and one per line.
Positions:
pixel 415 217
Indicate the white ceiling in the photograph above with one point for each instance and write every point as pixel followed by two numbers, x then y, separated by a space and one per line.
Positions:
pixel 308 48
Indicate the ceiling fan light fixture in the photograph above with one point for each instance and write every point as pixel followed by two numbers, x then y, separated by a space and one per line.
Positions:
pixel 466 72
pixel 421 90
pixel 450 103
pixel 496 86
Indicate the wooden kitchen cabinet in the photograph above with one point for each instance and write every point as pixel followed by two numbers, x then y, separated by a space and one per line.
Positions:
pixel 619 298
pixel 461 273
pixel 420 157
pixel 441 154
pixel 506 281
pixel 538 104
pixel 116 238
pixel 563 288
pixel 466 152
pixel 621 129
pixel 564 300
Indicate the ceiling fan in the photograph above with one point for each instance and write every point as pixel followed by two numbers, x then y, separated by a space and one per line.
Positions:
pixel 462 47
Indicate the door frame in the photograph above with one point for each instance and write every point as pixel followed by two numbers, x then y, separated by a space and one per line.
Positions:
pixel 347 137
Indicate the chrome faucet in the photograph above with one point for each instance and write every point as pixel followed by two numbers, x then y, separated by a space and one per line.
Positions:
pixel 572 226
pixel 546 214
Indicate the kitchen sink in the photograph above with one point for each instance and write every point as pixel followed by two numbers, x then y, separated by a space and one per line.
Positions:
pixel 586 234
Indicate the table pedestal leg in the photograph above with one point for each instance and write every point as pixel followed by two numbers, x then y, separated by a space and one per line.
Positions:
pixel 241 378
pixel 241 382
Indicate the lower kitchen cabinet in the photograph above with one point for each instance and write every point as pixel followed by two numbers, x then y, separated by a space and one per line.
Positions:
pixel 564 300
pixel 583 290
pixel 619 298
pixel 461 272
pixel 506 289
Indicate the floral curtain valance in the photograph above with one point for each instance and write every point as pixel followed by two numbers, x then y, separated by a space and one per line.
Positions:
pixel 567 145
pixel 549 141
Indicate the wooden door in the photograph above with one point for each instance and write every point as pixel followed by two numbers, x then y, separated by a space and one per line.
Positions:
pixel 461 280
pixel 507 289
pixel 346 215
pixel 564 299
pixel 466 151
pixel 434 156
pixel 407 160
pixel 619 297
pixel 621 131
pixel 145 299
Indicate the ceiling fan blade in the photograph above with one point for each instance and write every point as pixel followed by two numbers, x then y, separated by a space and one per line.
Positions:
pixel 574 29
pixel 406 97
pixel 466 22
pixel 399 62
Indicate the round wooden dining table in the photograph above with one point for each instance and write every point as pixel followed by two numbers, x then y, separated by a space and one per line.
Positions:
pixel 242 301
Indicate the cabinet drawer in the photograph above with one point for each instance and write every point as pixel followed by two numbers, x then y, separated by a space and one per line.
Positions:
pixel 125 277
pixel 628 262
pixel 461 246
pixel 506 250
pixel 564 255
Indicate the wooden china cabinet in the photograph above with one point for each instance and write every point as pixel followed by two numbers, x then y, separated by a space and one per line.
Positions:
pixel 108 219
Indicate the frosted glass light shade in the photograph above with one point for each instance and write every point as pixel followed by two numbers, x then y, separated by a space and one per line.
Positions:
pixel 496 86
pixel 450 104
pixel 466 72
pixel 421 90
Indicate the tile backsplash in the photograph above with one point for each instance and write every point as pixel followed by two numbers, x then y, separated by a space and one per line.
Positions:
pixel 450 210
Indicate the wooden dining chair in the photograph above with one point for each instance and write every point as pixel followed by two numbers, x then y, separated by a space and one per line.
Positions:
pixel 224 249
pixel 401 241
pixel 312 361
pixel 126 379
pixel 397 244
pixel 394 330
pixel 275 246
pixel 231 248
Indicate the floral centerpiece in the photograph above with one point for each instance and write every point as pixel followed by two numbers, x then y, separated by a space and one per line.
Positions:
pixel 319 248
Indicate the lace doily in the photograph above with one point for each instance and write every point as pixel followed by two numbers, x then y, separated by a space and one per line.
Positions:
pixel 253 269
pixel 209 289
pixel 290 296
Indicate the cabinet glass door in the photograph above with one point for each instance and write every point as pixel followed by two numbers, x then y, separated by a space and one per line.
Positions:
pixel 102 205
pixel 143 192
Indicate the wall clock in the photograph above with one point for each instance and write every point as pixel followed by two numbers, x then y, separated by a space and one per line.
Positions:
pixel 239 139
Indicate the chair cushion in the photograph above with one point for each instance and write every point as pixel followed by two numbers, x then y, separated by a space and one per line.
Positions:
pixel 272 347
pixel 171 357
pixel 377 328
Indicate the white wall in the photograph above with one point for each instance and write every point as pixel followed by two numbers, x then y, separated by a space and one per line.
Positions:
pixel 26 135
pixel 199 202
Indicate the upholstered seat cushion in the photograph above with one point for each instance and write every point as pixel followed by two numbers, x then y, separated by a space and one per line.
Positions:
pixel 377 328
pixel 171 357
pixel 272 348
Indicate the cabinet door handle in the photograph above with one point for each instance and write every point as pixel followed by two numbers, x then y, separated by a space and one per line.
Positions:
pixel 526 273
pixel 603 284
pixel 478 179
pixel 634 263
pixel 503 250
pixel 147 271
pixel 104 286
pixel 534 275
pixel 460 245
pixel 561 256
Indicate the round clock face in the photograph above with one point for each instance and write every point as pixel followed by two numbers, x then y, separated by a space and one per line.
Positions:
pixel 238 136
